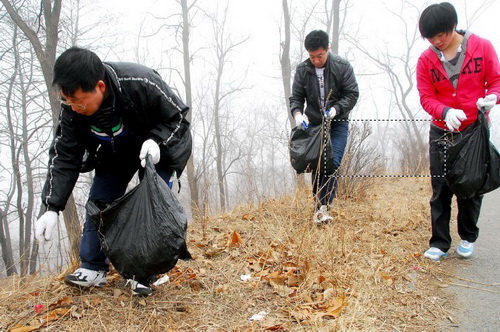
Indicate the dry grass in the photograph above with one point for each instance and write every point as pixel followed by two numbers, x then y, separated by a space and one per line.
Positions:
pixel 364 272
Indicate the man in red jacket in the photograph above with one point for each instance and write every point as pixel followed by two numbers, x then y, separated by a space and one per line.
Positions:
pixel 457 75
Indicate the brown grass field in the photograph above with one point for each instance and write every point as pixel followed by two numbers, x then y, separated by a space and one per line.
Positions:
pixel 364 272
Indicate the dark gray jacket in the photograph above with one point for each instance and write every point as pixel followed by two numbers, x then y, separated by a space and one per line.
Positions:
pixel 340 86
pixel 148 108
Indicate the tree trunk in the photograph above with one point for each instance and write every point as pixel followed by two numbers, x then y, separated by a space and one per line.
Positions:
pixel 193 185
pixel 286 74
pixel 7 255
pixel 335 26
pixel 47 57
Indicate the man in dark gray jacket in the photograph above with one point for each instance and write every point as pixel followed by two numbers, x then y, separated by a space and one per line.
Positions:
pixel 326 83
pixel 112 116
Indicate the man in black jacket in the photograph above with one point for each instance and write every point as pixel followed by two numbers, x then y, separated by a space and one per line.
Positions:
pixel 112 116
pixel 326 83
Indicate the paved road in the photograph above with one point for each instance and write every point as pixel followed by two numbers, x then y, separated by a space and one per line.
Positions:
pixel 478 307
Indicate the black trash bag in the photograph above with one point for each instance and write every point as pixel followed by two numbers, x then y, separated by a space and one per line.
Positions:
pixel 143 233
pixel 472 165
pixel 307 147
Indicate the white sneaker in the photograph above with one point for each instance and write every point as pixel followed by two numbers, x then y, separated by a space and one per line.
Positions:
pixel 322 216
pixel 465 248
pixel 86 278
pixel 435 253
pixel 139 289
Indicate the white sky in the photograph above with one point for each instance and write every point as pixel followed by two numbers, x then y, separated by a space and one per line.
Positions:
pixel 260 20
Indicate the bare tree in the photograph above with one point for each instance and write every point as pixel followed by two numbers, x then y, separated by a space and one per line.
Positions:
pixel 181 32
pixel 223 45
pixel 286 67
pixel 400 70
pixel 44 36
pixel 186 23
pixel 22 124
pixel 362 161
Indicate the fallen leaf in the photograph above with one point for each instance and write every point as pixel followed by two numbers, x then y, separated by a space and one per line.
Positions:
pixel 211 253
pixel 277 278
pixel 54 315
pixel 75 313
pixel 65 301
pixel 328 294
pixel 301 315
pixel 294 280
pixel 25 328
pixel 336 306
pixel 195 285
pixel 236 240
pixel 247 216
pixel 221 289
pixel 275 328
pixel 307 298
pixel 281 289
pixel 95 301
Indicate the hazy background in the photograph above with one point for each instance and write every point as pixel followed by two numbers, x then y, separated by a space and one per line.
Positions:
pixel 379 38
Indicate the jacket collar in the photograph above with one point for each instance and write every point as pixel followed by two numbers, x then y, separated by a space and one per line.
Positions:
pixel 310 67
pixel 112 77
pixel 115 85
pixel 469 50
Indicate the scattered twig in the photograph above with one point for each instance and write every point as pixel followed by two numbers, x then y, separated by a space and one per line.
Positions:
pixel 476 288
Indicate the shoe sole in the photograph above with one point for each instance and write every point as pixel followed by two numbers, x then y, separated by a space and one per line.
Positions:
pixel 464 255
pixel 85 284
pixel 141 294
pixel 436 258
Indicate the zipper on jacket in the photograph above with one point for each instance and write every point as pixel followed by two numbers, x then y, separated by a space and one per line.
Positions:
pixel 113 143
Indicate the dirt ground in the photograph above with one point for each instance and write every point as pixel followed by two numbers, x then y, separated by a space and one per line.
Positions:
pixel 267 268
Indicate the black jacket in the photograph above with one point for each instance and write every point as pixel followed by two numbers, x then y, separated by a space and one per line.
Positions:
pixel 148 108
pixel 340 86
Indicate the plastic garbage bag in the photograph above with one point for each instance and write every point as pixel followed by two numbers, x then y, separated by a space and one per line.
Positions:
pixel 143 233
pixel 307 147
pixel 472 165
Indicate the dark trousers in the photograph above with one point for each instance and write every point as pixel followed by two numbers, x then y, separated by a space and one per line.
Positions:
pixel 325 186
pixel 468 209
pixel 110 182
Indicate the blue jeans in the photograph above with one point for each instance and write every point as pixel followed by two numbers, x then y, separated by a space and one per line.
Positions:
pixel 325 186
pixel 110 182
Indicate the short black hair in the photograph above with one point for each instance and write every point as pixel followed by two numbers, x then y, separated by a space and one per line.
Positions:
pixel 77 68
pixel 315 40
pixel 436 19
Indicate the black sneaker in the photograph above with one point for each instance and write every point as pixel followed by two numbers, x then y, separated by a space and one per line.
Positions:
pixel 139 289
pixel 86 278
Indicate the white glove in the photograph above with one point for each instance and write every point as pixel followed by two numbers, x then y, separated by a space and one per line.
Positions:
pixel 45 225
pixel 487 102
pixel 454 118
pixel 149 147
pixel 330 113
pixel 300 118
